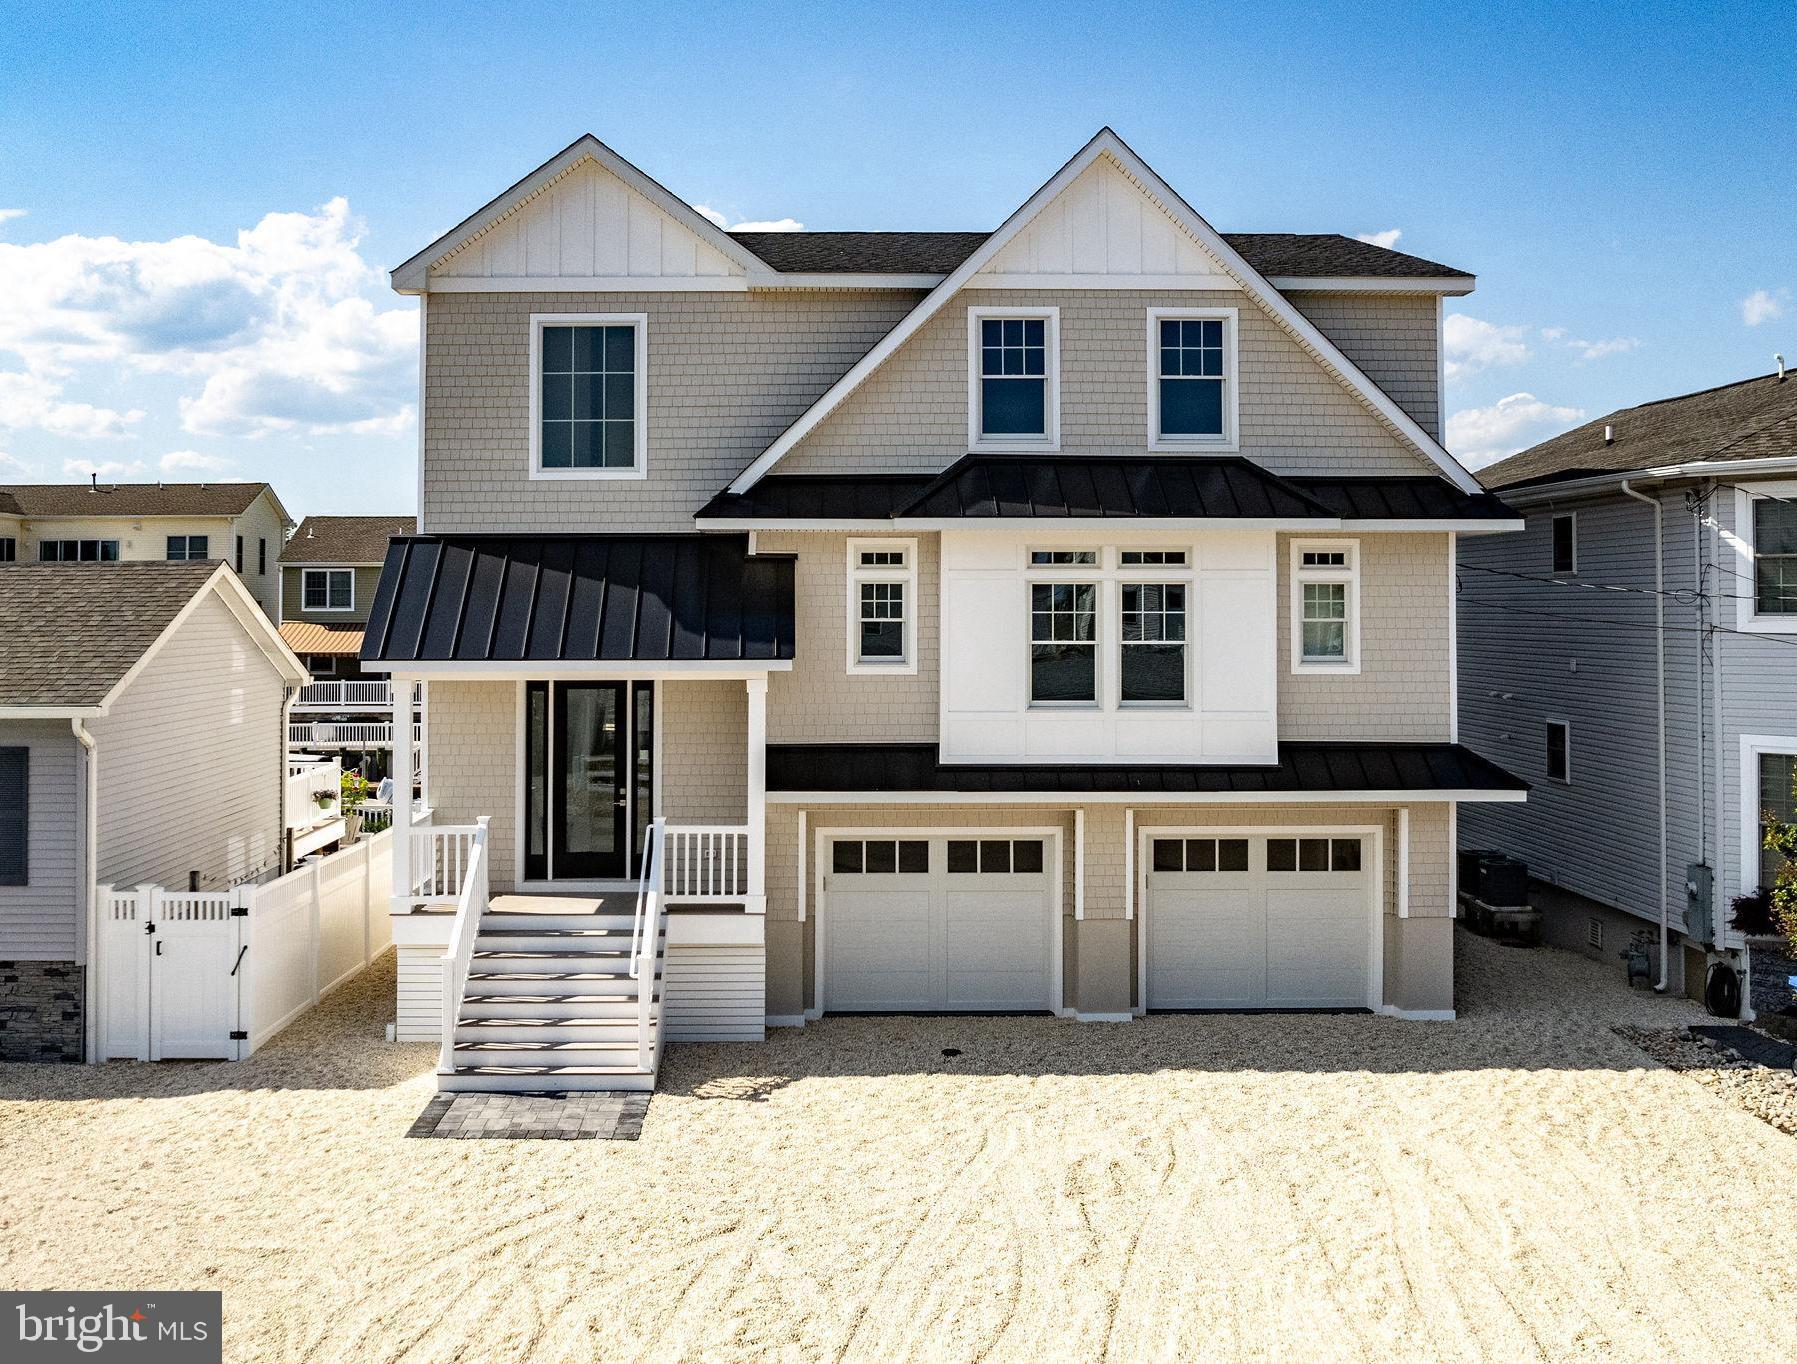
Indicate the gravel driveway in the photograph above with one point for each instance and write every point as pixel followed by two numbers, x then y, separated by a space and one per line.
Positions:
pixel 1521 1184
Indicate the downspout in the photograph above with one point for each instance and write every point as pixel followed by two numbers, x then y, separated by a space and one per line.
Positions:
pixel 90 1019
pixel 1659 582
pixel 1719 872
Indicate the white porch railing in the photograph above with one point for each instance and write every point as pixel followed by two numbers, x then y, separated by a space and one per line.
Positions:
pixel 470 904
pixel 351 694
pixel 706 863
pixel 442 855
pixel 645 945
pixel 346 733
pixel 314 792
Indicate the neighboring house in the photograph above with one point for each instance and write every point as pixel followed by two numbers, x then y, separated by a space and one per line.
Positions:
pixel 1631 655
pixel 242 524
pixel 329 570
pixel 1057 619
pixel 141 713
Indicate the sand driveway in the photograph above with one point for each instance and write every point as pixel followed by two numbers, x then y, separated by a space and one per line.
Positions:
pixel 1522 1184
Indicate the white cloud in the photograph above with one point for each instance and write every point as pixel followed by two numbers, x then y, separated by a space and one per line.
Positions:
pixel 276 331
pixel 1472 344
pixel 183 461
pixel 1388 238
pixel 109 471
pixel 1552 333
pixel 1763 305
pixel 1480 435
pixel 1597 350
pixel 763 225
pixel 8 214
pixel 13 464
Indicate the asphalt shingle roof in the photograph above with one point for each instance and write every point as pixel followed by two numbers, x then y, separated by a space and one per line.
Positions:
pixel 132 499
pixel 345 539
pixel 69 632
pixel 1310 254
pixel 1751 419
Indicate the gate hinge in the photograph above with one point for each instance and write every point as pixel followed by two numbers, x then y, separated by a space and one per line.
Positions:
pixel 238 1035
pixel 240 911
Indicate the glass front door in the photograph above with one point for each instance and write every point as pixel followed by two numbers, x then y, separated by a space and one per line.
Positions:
pixel 589 768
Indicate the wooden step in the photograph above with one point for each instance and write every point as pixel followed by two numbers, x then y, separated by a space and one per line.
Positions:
pixel 538 1004
pixel 472 1031
pixel 553 940
pixel 552 923
pixel 550 963
pixel 557 983
pixel 544 1079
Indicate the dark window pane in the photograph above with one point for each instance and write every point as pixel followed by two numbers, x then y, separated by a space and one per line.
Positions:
pixel 882 639
pixel 1282 854
pixel 620 445
pixel 1344 854
pixel 992 332
pixel 558 397
pixel 589 397
pixel 1564 552
pixel 914 856
pixel 558 445
pixel 589 350
pixel 1013 331
pixel 1035 363
pixel 995 855
pixel 1063 672
pixel 1201 854
pixel 1313 854
pixel 620 350
pixel 588 438
pixel 963 854
pixel 1013 407
pixel 1026 856
pixel 558 350
pixel 845 857
pixel 1169 854
pixel 1035 332
pixel 1169 333
pixel 620 396
pixel 1232 854
pixel 1154 672
pixel 1774 526
pixel 882 857
pixel 1191 407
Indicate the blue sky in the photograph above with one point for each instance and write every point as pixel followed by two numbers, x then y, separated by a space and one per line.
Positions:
pixel 198 203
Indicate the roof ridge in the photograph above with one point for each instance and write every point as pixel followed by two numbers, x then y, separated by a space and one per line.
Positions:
pixel 1694 393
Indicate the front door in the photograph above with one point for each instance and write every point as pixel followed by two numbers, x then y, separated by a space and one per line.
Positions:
pixel 590 774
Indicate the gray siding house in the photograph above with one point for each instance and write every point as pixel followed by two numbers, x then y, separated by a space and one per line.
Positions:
pixel 1631 655
pixel 141 713
pixel 1052 619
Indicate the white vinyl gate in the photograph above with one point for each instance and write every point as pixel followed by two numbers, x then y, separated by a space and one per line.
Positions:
pixel 171 973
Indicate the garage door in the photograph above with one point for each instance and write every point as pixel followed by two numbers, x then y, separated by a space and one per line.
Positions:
pixel 1258 922
pixel 918 924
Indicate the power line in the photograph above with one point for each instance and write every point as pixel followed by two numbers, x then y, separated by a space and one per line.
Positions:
pixel 1623 624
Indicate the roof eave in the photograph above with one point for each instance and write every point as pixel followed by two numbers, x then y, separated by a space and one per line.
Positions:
pixel 1698 468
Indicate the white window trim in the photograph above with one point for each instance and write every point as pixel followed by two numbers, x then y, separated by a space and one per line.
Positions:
pixel 883 573
pixel 1753 748
pixel 1051 364
pixel 1747 616
pixel 1349 666
pixel 1230 441
pixel 1548 724
pixel 321 665
pixel 1084 575
pixel 1571 519
pixel 640 321
pixel 1156 575
pixel 1109 575
pixel 307 573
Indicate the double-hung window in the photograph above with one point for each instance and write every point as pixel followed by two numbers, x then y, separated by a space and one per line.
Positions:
pixel 589 389
pixel 1325 606
pixel 1153 645
pixel 1063 642
pixel 1191 378
pixel 1775 556
pixel 1013 358
pixel 1565 531
pixel 189 547
pixel 77 551
pixel 882 601
pixel 328 589
pixel 1777 786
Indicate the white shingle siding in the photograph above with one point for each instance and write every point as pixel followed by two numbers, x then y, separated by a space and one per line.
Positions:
pixel 44 920
pixel 192 761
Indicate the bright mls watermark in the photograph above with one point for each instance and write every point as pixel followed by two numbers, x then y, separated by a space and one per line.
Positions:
pixel 148 1328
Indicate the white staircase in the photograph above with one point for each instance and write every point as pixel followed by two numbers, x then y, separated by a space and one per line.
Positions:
pixel 550 1006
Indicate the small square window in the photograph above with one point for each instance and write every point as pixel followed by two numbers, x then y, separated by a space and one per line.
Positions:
pixel 1232 854
pixel 1026 856
pixel 1282 854
pixel 963 856
pixel 995 855
pixel 846 857
pixel 913 856
pixel 1169 854
pixel 882 857
pixel 1344 854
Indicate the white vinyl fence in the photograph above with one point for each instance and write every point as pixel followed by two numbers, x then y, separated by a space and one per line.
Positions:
pixel 217 973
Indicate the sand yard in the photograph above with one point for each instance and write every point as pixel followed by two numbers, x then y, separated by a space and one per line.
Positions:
pixel 1522 1184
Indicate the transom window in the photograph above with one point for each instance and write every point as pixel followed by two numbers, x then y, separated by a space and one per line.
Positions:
pixel 1013 358
pixel 188 546
pixel 328 589
pixel 1774 557
pixel 1064 558
pixel 1313 854
pixel 1153 558
pixel 1001 856
pixel 882 593
pixel 879 856
pixel 1063 642
pixel 1325 608
pixel 1153 666
pixel 1191 364
pixel 1200 854
pixel 77 551
pixel 588 395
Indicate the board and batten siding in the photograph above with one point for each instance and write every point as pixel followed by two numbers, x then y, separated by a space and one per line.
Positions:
pixel 45 919
pixel 192 760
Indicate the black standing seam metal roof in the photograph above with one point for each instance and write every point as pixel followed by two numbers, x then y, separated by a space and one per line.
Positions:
pixel 1083 486
pixel 576 598
pixel 1302 767
pixel 1422 497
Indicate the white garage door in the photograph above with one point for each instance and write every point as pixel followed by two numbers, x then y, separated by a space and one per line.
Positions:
pixel 1258 922
pixel 918 924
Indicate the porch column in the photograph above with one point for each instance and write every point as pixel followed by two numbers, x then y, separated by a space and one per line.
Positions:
pixel 757 803
pixel 401 690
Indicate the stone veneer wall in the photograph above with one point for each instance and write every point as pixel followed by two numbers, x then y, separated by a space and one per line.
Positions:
pixel 40 1011
pixel 1769 985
